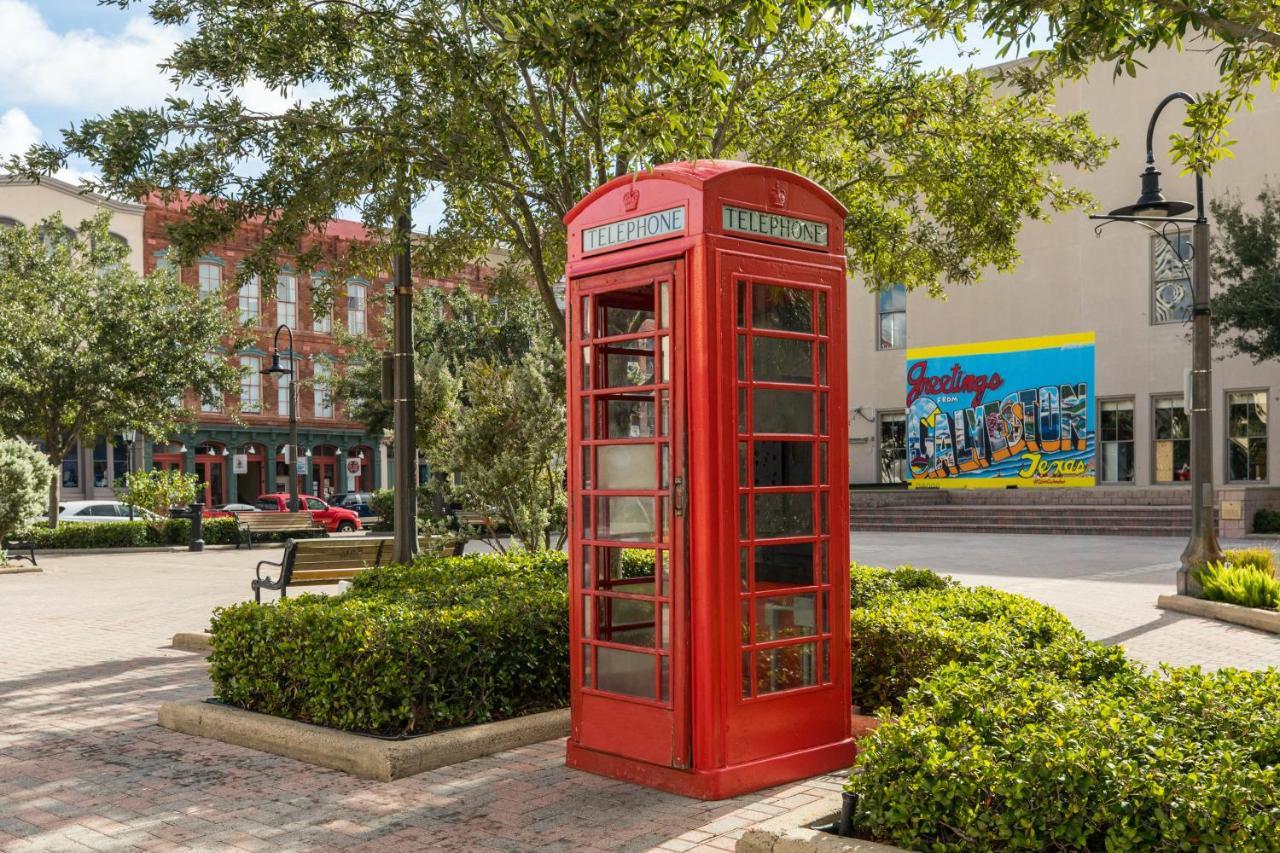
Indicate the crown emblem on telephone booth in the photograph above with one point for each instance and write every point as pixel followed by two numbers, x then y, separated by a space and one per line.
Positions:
pixel 631 199
pixel 778 194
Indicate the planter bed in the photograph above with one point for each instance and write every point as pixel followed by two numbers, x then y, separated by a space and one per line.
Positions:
pixel 1249 617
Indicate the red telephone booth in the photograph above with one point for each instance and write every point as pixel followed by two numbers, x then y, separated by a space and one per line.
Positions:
pixel 708 479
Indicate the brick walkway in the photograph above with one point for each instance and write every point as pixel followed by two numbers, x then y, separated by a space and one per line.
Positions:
pixel 84 664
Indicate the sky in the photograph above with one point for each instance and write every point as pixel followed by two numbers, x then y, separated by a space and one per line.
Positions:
pixel 67 60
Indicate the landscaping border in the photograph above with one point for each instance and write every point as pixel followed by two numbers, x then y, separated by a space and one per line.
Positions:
pixel 359 755
pixel 192 641
pixel 1249 617
pixel 19 570
pixel 781 834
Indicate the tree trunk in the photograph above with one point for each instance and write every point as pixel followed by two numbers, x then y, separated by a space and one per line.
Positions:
pixel 55 490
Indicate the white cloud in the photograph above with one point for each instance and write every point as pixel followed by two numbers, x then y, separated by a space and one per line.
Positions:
pixel 81 68
pixel 17 133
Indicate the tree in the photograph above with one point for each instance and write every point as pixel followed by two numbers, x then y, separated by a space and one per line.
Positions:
pixel 90 348
pixel 157 491
pixel 24 476
pixel 1246 273
pixel 1243 35
pixel 515 109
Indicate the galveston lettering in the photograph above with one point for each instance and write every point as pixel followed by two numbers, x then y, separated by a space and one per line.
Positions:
pixel 1032 423
pixel 657 224
pixel 956 382
pixel 774 225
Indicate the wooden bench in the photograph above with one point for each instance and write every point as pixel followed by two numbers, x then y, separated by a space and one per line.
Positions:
pixel 249 523
pixel 472 518
pixel 30 547
pixel 320 562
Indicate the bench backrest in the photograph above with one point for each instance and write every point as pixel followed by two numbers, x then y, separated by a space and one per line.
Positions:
pixel 331 560
pixel 277 520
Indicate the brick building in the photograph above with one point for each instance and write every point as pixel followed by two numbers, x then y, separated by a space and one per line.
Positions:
pixel 237 446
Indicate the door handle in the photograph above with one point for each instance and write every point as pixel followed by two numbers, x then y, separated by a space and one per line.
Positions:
pixel 681 496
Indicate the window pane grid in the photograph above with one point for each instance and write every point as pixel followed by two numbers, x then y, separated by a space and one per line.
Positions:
pixel 1247 436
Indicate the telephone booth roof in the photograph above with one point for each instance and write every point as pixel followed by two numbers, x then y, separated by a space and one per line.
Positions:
pixel 685 185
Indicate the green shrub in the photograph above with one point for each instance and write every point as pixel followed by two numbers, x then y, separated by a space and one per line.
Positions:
pixel 994 758
pixel 1266 521
pixel 408 649
pixel 25 473
pixel 129 534
pixel 867 583
pixel 157 491
pixel 1239 584
pixel 897 640
pixel 1262 559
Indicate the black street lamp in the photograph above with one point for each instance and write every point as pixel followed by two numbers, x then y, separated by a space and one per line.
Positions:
pixel 1152 206
pixel 279 369
pixel 129 436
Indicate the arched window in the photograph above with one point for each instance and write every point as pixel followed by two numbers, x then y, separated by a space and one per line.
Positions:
pixel 357 294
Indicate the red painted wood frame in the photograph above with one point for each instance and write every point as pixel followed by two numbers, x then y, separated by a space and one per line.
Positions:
pixel 710 646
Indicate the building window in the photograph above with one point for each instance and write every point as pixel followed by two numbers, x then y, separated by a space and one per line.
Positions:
pixel 283 381
pixel 120 463
pixel 1172 440
pixel 287 299
pixel 250 383
pixel 251 302
pixel 1171 279
pixel 71 469
pixel 356 293
pixel 210 281
pixel 100 464
pixel 320 373
pixel 210 402
pixel 1116 435
pixel 892 431
pixel 1247 436
pixel 893 317
pixel 318 323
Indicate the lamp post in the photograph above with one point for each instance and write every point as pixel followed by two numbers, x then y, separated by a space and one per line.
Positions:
pixel 1153 207
pixel 129 436
pixel 279 369
pixel 405 513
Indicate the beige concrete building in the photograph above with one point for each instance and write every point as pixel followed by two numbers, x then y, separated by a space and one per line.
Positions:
pixel 1123 285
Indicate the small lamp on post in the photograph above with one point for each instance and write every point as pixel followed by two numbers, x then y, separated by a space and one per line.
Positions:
pixel 1153 207
pixel 279 369
pixel 129 436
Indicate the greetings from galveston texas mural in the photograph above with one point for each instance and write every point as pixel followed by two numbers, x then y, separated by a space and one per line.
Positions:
pixel 1002 413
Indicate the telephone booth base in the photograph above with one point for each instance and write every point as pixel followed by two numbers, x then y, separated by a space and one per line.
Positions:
pixel 722 782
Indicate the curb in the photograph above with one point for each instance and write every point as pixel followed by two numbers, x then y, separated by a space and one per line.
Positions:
pixel 19 570
pixel 192 641
pixel 1249 617
pixel 359 755
pixel 782 835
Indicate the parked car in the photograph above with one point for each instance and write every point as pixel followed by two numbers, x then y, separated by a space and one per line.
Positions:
pixel 97 512
pixel 238 508
pixel 334 518
pixel 361 503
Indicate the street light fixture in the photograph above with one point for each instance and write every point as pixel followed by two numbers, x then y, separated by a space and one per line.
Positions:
pixel 279 369
pixel 129 436
pixel 1152 206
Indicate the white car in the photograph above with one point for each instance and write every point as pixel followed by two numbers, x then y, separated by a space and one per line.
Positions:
pixel 100 511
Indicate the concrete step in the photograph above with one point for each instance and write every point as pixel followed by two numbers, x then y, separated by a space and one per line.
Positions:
pixel 1092 529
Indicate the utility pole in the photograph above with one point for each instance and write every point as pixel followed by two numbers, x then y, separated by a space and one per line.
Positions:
pixel 406 443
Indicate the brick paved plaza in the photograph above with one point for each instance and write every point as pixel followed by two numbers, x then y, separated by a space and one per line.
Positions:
pixel 84 664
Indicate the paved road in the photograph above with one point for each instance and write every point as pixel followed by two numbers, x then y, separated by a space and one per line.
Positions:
pixel 84 663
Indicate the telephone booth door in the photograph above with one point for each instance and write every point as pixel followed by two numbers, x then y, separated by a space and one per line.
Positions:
pixel 630 595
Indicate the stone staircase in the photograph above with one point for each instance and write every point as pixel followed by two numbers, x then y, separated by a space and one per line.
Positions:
pixel 1099 511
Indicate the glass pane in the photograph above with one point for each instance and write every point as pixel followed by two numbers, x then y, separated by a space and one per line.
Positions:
pixel 625 366
pixel 628 417
pixel 664 678
pixel 822 413
pixel 746 674
pixel 587 563
pixel 744 562
pixel 822 463
pixel 742 357
pixel 665 613
pixel 585 416
pixel 625 518
pixel 586 367
pixel 778 566
pixel 822 364
pixel 587 622
pixel 785 668
pixel 744 618
pixel 664 417
pixel 584 317
pixel 628 621
pixel 664 305
pixel 893 298
pixel 627 673
pixel 742 410
pixel 785 616
pixel 783 463
pixel 786 514
pixel 625 466
pixel 781 360
pixel 822 312
pixel 744 514
pixel 626 312
pixel 586 467
pixel 628 570
pixel 823 574
pixel 664 360
pixel 586 666
pixel 782 411
pixel 742 304
pixel 785 308
pixel 742 463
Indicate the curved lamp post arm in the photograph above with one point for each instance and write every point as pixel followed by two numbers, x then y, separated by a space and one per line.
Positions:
pixel 1151 155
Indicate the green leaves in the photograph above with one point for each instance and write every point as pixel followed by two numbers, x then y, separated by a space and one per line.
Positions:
pixel 24 481
pixel 1246 273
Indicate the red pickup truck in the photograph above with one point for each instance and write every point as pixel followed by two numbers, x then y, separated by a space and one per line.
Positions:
pixel 334 518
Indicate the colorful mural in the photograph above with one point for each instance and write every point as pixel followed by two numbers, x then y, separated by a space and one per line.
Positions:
pixel 1002 413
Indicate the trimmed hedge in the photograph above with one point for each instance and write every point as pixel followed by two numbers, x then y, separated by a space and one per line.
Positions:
pixel 406 650
pixel 128 534
pixel 905 627
pixel 989 757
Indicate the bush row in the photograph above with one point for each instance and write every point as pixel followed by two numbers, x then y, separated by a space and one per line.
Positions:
pixel 990 757
pixel 127 534
pixel 406 650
